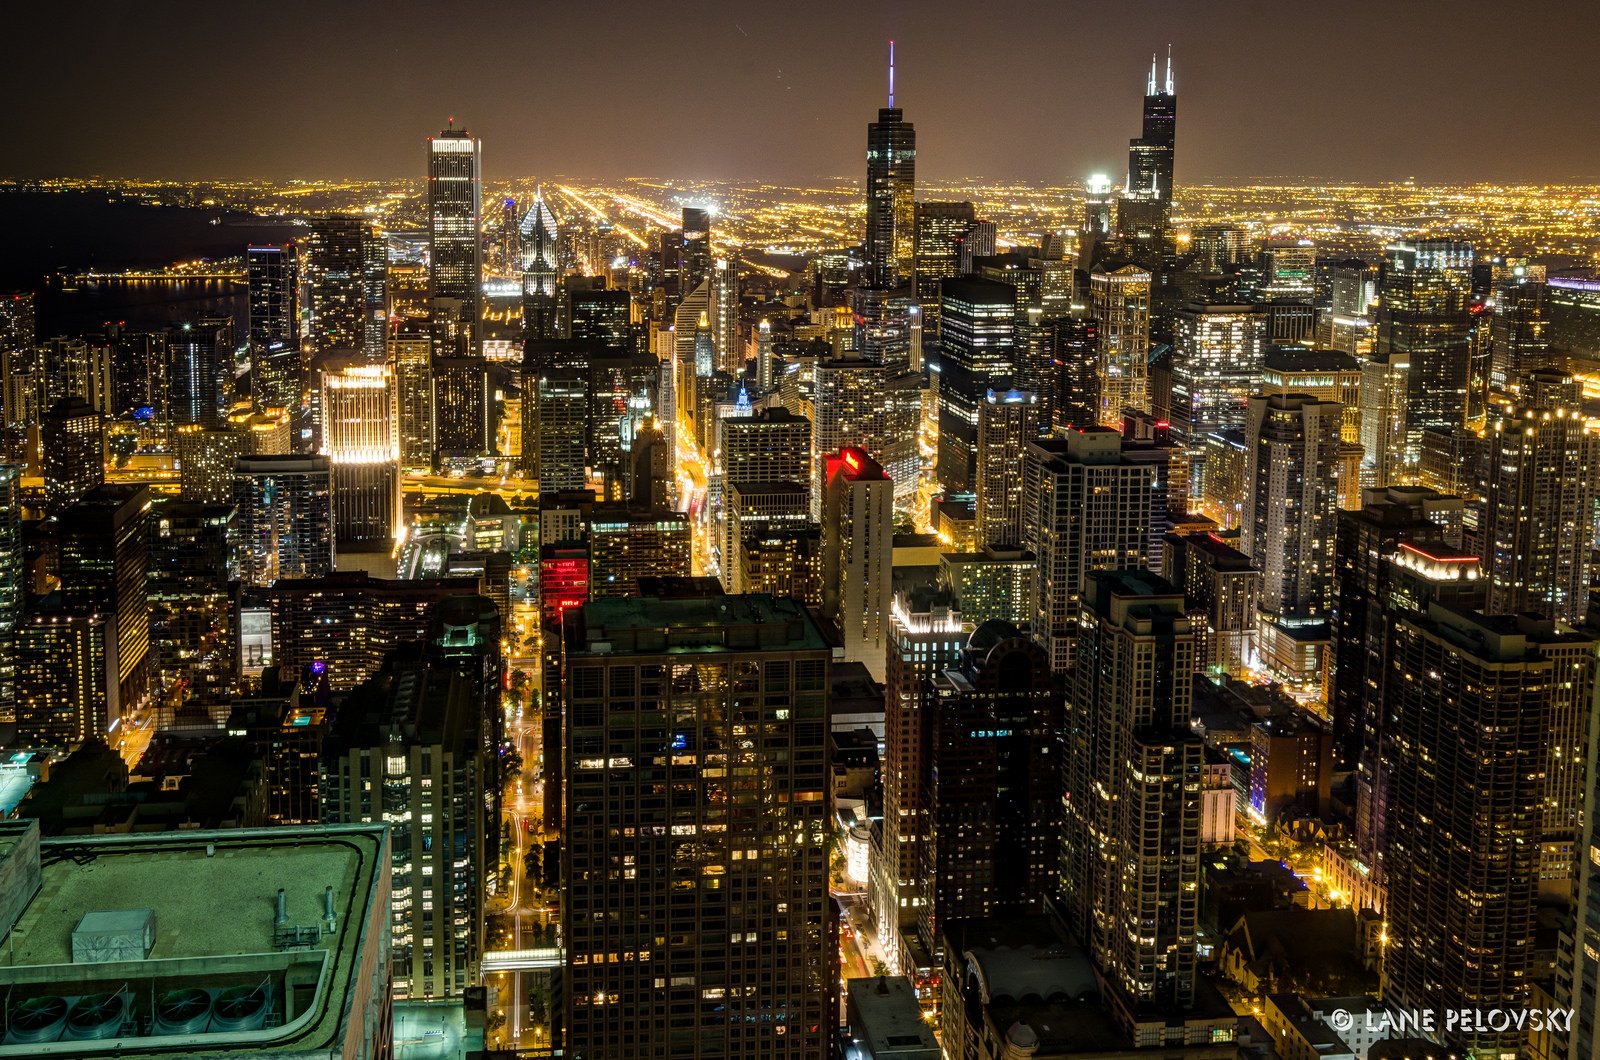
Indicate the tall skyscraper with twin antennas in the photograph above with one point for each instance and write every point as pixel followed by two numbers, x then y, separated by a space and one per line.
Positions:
pixel 891 193
pixel 1146 209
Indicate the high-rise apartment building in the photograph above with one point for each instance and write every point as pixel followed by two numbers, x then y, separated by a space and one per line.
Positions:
pixel 455 243
pixel 1007 422
pixel 1472 701
pixel 1217 361
pixel 625 546
pixel 73 450
pixel 1087 507
pixel 1366 542
pixel 1119 302
pixel 200 371
pixel 1424 320
pixel 1290 518
pixel 1541 492
pixel 13 577
pixel 1130 854
pixel 686 718
pixel 285 517
pixel 415 746
pixel 936 254
pixel 462 408
pixel 857 551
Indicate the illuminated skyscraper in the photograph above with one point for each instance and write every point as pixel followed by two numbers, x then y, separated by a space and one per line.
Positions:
pixel 1216 366
pixel 883 325
pixel 347 273
pixel 1064 355
pixel 1130 855
pixel 1542 488
pixel 411 354
pixel 540 269
pixel 360 437
pixel 1097 213
pixel 857 549
pixel 285 517
pixel 74 451
pixel 201 372
pixel 936 254
pixel 1087 507
pixel 1145 213
pixel 694 249
pixel 1471 702
pixel 627 545
pixel 1520 331
pixel 891 193
pixel 925 638
pixel 13 577
pixel 1119 301
pixel 624 664
pixel 274 277
pixel 1423 321
pixel 600 316
pixel 1290 520
pixel 462 408
pixel 105 553
pixel 554 443
pixel 977 336
pixel 1007 421
pixel 455 208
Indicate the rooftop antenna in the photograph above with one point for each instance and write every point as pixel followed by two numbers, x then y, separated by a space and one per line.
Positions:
pixel 891 75
pixel 1150 89
pixel 1169 69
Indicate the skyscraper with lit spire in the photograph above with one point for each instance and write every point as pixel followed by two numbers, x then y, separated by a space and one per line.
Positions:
pixel 1145 213
pixel 891 193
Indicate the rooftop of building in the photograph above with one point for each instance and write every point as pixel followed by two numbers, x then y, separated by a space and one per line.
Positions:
pixel 1308 359
pixel 655 625
pixel 1219 552
pixel 886 1015
pixel 199 913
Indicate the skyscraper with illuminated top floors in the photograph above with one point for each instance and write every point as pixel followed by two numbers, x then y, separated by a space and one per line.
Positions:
pixel 891 192
pixel 361 438
pixel 455 203
pixel 857 552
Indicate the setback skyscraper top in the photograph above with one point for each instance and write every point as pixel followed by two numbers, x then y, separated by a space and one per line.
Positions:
pixel 891 191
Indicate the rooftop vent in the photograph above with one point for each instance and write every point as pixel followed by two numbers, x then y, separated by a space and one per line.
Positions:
pixel 114 935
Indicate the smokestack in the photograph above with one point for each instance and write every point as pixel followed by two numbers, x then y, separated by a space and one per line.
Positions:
pixel 330 919
pixel 281 920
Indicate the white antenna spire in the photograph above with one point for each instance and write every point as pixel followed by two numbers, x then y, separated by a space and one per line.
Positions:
pixel 1150 89
pixel 1169 69
pixel 891 75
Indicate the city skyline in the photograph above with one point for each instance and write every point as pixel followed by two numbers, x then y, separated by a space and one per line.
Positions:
pixel 772 95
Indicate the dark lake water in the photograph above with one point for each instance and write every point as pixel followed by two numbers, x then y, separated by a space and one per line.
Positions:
pixel 46 234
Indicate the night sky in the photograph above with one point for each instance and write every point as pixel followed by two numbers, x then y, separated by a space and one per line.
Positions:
pixel 1349 89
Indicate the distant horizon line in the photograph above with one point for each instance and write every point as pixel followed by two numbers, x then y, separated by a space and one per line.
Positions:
pixel 12 183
